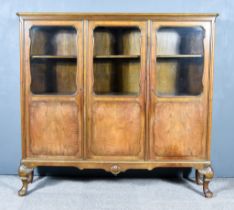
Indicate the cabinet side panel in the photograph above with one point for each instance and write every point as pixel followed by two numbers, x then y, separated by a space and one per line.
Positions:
pixel 22 88
pixel 54 129
pixel 178 130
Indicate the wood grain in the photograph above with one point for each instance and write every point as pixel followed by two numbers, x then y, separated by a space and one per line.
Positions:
pixel 54 129
pixel 117 130
pixel 178 130
pixel 122 131
pixel 123 105
pixel 170 138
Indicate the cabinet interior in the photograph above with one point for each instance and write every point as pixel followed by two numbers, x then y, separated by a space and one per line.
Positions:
pixel 116 60
pixel 180 60
pixel 53 59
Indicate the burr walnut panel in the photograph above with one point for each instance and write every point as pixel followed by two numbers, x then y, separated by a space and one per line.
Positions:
pixel 178 130
pixel 54 129
pixel 117 130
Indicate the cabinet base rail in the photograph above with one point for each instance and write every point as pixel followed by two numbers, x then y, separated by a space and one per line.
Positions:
pixel 204 171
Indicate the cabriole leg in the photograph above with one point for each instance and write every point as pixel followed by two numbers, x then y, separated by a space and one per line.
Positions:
pixel 208 174
pixel 30 178
pixel 26 175
pixel 199 178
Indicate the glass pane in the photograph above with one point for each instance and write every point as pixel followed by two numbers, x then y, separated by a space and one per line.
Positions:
pixel 180 61
pixel 116 77
pixel 179 76
pixel 116 41
pixel 53 60
pixel 180 40
pixel 116 60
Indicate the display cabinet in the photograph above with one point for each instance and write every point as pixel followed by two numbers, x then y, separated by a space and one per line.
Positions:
pixel 116 92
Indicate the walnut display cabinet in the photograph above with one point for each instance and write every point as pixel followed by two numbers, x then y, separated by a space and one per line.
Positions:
pixel 116 92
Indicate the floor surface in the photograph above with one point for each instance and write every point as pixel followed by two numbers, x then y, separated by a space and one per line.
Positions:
pixel 53 193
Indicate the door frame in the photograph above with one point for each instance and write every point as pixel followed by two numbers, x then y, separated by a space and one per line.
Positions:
pixel 28 98
pixel 202 99
pixel 91 98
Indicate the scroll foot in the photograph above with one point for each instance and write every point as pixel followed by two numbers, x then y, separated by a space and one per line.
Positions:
pixel 24 189
pixel 208 174
pixel 206 190
pixel 26 175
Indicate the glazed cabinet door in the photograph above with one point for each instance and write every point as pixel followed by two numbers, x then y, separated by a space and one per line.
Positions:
pixel 116 90
pixel 178 90
pixel 53 90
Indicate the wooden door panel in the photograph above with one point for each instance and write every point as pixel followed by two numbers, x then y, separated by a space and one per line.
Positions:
pixel 117 129
pixel 178 90
pixel 116 90
pixel 54 89
pixel 178 130
pixel 54 129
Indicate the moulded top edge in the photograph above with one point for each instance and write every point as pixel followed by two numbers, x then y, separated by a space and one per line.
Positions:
pixel 73 15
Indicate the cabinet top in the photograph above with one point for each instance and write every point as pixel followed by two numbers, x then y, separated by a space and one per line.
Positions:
pixel 128 16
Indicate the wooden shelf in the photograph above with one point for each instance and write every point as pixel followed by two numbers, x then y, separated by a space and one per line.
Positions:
pixel 180 56
pixel 117 56
pixel 53 57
